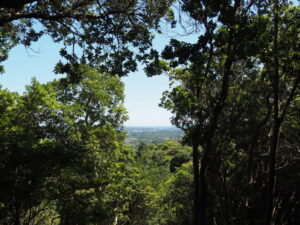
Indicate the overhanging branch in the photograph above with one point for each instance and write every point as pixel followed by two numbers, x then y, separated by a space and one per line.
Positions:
pixel 9 17
pixel 15 4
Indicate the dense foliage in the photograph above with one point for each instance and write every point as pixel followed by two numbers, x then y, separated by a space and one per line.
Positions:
pixel 237 86
pixel 107 34
pixel 234 93
pixel 62 153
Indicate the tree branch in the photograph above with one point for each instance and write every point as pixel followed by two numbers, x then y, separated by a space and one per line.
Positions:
pixel 9 17
pixel 15 4
pixel 290 98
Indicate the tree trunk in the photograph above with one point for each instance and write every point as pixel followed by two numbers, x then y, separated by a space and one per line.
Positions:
pixel 17 219
pixel 203 188
pixel 276 126
pixel 213 127
pixel 216 112
pixel 271 176
pixel 196 183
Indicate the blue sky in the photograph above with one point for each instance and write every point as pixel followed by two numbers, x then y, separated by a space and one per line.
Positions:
pixel 142 93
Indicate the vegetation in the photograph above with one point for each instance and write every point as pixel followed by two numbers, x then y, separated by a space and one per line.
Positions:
pixel 234 93
pixel 152 135
pixel 106 34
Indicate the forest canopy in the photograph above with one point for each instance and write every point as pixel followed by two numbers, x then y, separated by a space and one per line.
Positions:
pixel 108 34
pixel 234 93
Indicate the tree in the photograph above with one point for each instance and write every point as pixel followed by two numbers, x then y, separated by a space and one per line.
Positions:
pixel 174 200
pixel 285 79
pixel 62 153
pixel 226 25
pixel 97 32
pixel 228 57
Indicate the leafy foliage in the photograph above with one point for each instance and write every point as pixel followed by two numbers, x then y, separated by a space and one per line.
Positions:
pixel 234 93
pixel 62 149
pixel 229 97
pixel 100 33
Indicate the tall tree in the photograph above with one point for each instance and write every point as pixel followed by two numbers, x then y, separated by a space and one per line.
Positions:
pixel 226 28
pixel 284 76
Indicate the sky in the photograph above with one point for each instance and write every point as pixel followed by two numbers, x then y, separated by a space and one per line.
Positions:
pixel 142 93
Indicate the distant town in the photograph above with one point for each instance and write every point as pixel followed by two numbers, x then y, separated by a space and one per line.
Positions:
pixel 152 135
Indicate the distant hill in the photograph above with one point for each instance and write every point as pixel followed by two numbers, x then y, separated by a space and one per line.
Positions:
pixel 155 134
